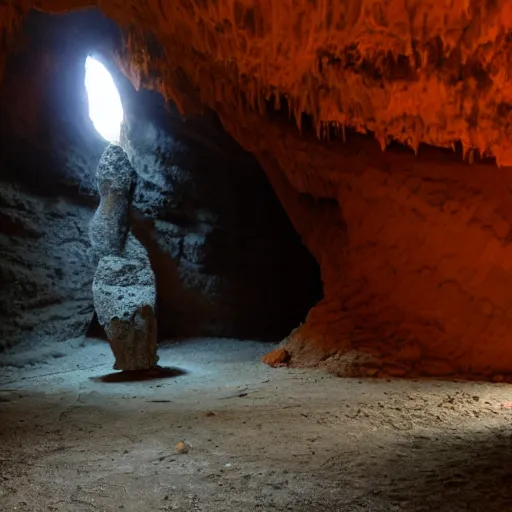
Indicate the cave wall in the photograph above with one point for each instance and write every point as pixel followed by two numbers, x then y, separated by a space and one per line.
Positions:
pixel 414 249
pixel 430 71
pixel 226 258
pixel 46 132
pixel 48 154
pixel 415 254
pixel 45 272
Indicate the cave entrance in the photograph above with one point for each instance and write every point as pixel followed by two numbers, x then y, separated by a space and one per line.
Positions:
pixel 105 107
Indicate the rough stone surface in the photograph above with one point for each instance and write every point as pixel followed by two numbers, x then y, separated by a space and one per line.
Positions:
pixel 278 357
pixel 110 223
pixel 49 151
pixel 45 272
pixel 430 71
pixel 124 299
pixel 226 258
pixel 415 255
pixel 121 285
pixel 124 288
pixel 224 264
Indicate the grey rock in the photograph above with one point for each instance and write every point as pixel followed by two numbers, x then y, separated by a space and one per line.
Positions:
pixel 124 298
pixel 226 258
pixel 120 286
pixel 109 225
pixel 45 273
pixel 124 287
pixel 133 341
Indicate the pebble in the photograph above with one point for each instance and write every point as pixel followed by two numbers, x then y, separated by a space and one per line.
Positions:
pixel 182 447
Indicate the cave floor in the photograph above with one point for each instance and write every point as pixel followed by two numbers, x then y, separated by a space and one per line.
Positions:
pixel 74 438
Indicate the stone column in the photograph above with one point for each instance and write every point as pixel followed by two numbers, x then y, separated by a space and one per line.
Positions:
pixel 124 288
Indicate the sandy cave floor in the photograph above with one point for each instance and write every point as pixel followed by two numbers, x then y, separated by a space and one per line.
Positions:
pixel 74 438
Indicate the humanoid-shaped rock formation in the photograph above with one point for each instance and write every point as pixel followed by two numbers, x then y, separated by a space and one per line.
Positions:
pixel 124 288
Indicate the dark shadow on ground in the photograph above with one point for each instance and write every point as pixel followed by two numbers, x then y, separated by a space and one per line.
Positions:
pixel 139 376
pixel 463 472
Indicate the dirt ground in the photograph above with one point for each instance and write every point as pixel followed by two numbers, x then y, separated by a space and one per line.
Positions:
pixel 76 437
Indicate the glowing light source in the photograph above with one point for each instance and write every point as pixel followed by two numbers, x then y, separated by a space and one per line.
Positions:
pixel 105 108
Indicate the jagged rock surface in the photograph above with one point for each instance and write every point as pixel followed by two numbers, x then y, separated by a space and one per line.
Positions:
pixel 224 265
pixel 124 299
pixel 110 223
pixel 430 71
pixel 49 151
pixel 45 271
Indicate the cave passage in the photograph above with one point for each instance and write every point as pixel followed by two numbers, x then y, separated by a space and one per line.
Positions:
pixel 105 107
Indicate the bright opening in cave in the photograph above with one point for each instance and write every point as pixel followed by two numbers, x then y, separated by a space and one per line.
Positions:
pixel 105 107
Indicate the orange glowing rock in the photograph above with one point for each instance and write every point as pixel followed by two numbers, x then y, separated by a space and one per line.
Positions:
pixel 278 357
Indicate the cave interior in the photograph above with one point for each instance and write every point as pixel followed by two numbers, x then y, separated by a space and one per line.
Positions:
pixel 282 284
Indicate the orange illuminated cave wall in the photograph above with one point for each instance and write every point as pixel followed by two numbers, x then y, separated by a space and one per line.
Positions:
pixel 415 252
pixel 414 246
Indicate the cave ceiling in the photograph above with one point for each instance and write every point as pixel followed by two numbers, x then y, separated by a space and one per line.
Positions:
pixel 424 71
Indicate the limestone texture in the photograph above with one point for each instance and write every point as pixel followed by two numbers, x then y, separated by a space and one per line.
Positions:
pixel 429 71
pixel 49 151
pixel 124 288
pixel 110 223
pixel 384 128
pixel 124 299
pixel 45 271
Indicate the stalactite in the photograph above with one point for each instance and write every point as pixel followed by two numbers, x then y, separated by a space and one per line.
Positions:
pixel 277 100
pixel 355 73
pixel 466 148
pixel 381 138
pixel 355 63
pixel 298 118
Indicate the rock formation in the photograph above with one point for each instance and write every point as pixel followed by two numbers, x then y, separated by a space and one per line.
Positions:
pixel 413 241
pixel 49 151
pixel 124 288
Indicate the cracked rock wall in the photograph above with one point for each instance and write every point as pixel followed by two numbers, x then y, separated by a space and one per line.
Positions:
pixel 45 272
pixel 48 154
